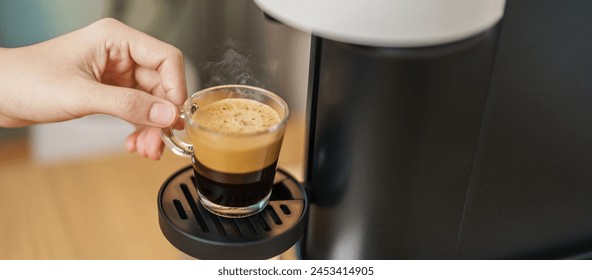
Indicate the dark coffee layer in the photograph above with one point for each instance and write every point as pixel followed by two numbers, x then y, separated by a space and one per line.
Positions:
pixel 231 189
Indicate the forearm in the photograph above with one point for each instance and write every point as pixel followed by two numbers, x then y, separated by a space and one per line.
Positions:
pixel 41 82
pixel 10 88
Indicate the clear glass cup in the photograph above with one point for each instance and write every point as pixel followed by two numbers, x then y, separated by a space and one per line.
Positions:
pixel 233 148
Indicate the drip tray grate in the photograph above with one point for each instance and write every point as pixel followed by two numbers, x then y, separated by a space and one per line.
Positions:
pixel 203 235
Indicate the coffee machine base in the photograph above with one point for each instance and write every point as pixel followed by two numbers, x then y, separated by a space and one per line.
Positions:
pixel 197 232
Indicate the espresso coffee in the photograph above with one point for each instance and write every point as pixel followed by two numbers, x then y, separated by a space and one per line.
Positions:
pixel 236 150
pixel 234 138
pixel 233 190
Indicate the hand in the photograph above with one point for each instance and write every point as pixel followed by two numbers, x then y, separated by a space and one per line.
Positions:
pixel 104 68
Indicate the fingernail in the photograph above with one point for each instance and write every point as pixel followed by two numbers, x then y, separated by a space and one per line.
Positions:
pixel 161 114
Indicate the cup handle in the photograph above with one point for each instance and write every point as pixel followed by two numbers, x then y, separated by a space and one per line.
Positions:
pixel 176 145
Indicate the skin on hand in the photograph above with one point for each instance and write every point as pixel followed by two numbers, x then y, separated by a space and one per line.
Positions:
pixel 104 68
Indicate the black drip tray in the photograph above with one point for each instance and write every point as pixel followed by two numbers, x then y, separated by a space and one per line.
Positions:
pixel 203 235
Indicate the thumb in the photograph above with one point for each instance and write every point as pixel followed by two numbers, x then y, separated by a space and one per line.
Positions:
pixel 135 106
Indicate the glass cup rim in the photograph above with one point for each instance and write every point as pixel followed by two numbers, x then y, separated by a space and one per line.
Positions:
pixel 271 129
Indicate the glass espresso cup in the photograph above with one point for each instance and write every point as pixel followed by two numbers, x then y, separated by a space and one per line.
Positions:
pixel 235 133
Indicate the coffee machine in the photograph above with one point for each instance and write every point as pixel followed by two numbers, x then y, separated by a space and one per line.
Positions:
pixel 449 129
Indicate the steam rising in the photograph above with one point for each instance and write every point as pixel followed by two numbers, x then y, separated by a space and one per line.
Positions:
pixel 235 66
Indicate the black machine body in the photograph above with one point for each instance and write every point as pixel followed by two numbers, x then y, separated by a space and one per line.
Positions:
pixel 478 148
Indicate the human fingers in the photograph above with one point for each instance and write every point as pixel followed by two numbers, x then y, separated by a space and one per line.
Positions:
pixel 148 80
pixel 153 145
pixel 130 142
pixel 132 105
pixel 148 142
pixel 150 53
